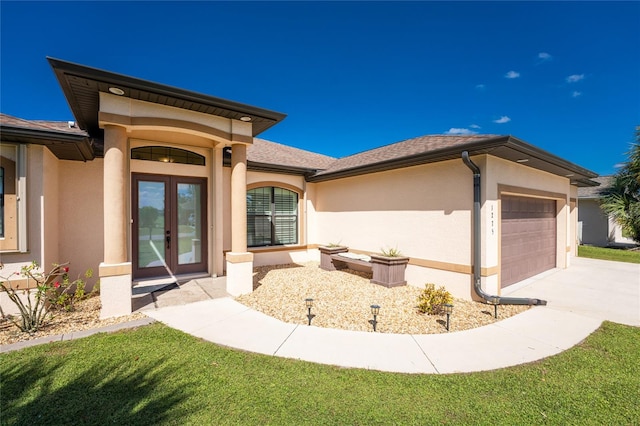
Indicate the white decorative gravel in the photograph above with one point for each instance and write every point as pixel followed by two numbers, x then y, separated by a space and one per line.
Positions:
pixel 342 300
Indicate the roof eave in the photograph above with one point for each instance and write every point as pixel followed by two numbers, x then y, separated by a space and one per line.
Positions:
pixel 413 160
pixel 128 84
pixel 548 157
pixel 483 146
pixel 56 141
pixel 277 168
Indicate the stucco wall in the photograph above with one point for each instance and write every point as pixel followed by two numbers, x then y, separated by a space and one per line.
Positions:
pixel 424 211
pixel 51 199
pixel 615 232
pixel 42 218
pixel 597 228
pixel 81 215
pixel 500 177
pixel 170 118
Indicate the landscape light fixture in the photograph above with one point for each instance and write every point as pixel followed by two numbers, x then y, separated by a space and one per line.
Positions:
pixel 309 303
pixel 448 309
pixel 495 301
pixel 375 310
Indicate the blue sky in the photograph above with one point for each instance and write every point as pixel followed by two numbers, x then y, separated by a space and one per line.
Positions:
pixel 351 76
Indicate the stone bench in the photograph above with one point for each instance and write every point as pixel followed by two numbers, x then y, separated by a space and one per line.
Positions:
pixel 357 262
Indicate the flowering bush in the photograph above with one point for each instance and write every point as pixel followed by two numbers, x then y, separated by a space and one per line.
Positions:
pixel 64 294
pixel 42 294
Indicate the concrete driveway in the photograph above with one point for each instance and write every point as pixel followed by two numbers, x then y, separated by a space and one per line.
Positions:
pixel 598 289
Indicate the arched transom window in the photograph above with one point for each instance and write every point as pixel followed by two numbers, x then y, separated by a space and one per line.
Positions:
pixel 166 154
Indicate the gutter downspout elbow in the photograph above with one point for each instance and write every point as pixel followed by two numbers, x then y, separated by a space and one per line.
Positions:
pixel 477 238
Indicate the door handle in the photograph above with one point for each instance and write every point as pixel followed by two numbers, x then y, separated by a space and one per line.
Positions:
pixel 168 239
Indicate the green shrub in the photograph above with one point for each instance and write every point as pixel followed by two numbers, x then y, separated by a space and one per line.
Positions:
pixel 431 299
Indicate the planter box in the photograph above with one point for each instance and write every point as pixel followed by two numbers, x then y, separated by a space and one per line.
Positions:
pixel 325 256
pixel 389 271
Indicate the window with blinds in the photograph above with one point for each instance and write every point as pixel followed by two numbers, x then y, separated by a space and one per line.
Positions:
pixel 272 217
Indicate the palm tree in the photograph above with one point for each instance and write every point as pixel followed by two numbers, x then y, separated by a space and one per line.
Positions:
pixel 622 199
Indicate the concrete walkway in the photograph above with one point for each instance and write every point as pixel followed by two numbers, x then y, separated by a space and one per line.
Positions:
pixel 579 299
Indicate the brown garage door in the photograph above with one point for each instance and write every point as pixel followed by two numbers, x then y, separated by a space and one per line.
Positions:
pixel 528 238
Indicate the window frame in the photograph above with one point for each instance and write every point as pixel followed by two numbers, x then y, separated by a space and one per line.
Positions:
pixel 17 240
pixel 272 217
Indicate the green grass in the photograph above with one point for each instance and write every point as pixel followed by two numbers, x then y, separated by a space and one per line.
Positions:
pixel 157 375
pixel 619 255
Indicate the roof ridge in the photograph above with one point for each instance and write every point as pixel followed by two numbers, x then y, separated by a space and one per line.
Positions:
pixel 294 147
pixel 474 136
pixel 268 152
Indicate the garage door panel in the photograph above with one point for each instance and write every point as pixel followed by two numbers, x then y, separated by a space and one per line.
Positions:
pixel 528 238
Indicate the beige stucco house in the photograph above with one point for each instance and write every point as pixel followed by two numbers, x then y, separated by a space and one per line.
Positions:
pixel 595 227
pixel 152 181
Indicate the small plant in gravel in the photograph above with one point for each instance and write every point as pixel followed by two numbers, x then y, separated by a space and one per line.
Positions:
pixel 431 300
pixel 42 293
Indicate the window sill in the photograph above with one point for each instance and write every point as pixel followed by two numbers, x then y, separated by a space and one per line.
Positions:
pixel 266 249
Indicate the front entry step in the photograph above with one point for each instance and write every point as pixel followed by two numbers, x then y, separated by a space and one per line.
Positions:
pixel 148 296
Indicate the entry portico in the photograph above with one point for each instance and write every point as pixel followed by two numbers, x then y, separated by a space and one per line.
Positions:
pixel 122 113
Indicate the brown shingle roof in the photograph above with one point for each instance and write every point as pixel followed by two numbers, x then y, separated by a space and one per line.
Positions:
pixel 595 191
pixel 64 141
pixel 40 125
pixel 434 148
pixel 403 149
pixel 272 153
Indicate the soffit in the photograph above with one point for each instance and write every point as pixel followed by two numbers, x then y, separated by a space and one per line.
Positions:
pixel 82 85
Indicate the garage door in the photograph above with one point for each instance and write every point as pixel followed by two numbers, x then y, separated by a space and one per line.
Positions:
pixel 528 238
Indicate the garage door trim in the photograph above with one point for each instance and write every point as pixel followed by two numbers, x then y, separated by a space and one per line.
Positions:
pixel 543 244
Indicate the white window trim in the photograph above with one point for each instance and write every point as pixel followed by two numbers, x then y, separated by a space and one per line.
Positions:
pixel 21 152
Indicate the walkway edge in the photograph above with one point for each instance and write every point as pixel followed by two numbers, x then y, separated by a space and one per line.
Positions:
pixel 76 334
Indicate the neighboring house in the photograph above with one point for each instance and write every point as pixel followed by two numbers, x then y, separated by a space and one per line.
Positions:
pixel 153 180
pixel 595 227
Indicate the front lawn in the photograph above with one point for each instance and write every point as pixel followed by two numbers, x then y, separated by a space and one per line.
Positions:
pixel 157 375
pixel 619 255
